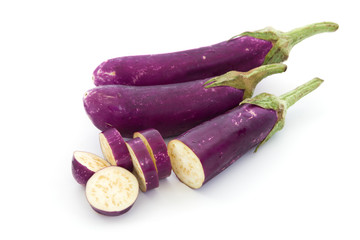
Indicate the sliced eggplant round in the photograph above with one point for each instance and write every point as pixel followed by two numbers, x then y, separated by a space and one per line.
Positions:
pixel 144 167
pixel 114 149
pixel 112 191
pixel 156 146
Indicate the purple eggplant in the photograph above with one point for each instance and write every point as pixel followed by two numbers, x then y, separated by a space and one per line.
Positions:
pixel 201 153
pixel 171 109
pixel 156 146
pixel 114 149
pixel 241 53
pixel 144 167
pixel 112 191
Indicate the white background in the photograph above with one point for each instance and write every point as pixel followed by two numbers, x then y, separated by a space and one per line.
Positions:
pixel 302 184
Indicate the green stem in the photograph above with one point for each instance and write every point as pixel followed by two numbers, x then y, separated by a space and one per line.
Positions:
pixel 297 35
pixel 246 81
pixel 257 74
pixel 293 96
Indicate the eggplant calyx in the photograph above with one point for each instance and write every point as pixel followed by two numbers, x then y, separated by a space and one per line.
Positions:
pixel 283 42
pixel 246 81
pixel 269 101
pixel 282 103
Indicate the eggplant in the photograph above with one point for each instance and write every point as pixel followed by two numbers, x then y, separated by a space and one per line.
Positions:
pixel 112 191
pixel 156 146
pixel 241 53
pixel 85 164
pixel 144 167
pixel 171 109
pixel 114 149
pixel 206 150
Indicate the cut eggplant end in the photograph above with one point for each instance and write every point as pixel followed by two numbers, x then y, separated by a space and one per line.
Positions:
pixel 90 161
pixel 112 191
pixel 145 141
pixel 106 149
pixel 137 170
pixel 185 164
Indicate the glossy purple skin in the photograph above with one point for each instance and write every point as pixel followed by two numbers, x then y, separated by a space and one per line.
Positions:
pixel 221 141
pixel 145 162
pixel 171 109
pixel 240 54
pixel 159 149
pixel 120 151
pixel 116 213
pixel 80 172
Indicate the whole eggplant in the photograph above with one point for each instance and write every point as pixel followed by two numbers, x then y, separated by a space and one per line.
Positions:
pixel 204 151
pixel 171 109
pixel 241 53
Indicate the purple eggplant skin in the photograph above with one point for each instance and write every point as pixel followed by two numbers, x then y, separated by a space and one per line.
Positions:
pixel 171 109
pixel 80 173
pixel 221 141
pixel 241 54
pixel 111 214
pixel 158 151
pixel 143 165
